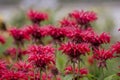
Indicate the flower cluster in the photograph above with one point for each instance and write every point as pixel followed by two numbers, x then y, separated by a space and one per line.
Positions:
pixel 44 52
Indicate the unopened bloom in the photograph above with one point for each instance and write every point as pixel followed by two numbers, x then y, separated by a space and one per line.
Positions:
pixel 83 71
pixel 12 52
pixel 91 60
pixel 37 17
pixel 101 55
pixel 74 50
pixel 83 17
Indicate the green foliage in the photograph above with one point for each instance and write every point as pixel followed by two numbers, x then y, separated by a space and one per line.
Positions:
pixel 61 61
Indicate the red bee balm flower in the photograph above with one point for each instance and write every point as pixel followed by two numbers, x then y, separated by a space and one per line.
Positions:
pixel 22 66
pixel 101 56
pixel 19 35
pixel 116 48
pixel 41 56
pixel 37 17
pixel 37 32
pixel 56 33
pixel 83 17
pixel 74 50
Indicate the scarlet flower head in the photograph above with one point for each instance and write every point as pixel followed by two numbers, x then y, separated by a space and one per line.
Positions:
pixel 41 56
pixel 83 17
pixel 2 40
pixel 36 17
pixel 37 32
pixel 116 48
pixel 56 33
pixel 104 38
pixel 74 50
pixel 23 66
pixel 101 55
pixel 19 35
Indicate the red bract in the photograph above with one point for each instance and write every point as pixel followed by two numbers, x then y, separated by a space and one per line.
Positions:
pixel 19 35
pixel 83 17
pixel 12 75
pixel 102 55
pixel 2 40
pixel 74 50
pixel 41 56
pixel 37 17
pixel 116 48
pixel 22 66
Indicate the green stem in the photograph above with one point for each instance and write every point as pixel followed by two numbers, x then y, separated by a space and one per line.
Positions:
pixel 79 64
pixel 73 70
pixel 40 74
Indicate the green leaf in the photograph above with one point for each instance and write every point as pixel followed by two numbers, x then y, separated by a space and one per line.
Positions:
pixel 112 77
pixel 61 61
pixel 85 78
pixel 67 77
